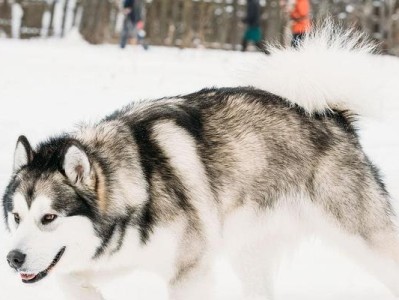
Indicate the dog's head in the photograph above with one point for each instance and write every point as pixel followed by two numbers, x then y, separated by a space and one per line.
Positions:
pixel 48 208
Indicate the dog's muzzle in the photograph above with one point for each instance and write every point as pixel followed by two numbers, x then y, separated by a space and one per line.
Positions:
pixel 16 260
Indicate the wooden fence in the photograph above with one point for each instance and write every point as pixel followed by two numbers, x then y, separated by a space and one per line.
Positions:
pixel 190 23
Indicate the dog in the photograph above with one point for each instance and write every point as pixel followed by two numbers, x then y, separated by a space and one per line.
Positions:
pixel 164 185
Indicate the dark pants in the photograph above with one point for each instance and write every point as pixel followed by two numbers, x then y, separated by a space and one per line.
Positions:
pixel 128 29
pixel 244 44
pixel 297 39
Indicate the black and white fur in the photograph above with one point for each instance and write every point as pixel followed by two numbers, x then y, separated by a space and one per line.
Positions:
pixel 164 185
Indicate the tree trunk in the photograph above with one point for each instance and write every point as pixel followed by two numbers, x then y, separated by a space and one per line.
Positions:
pixel 163 20
pixel 64 16
pixel 31 23
pixel 274 22
pixel 51 26
pixel 389 25
pixel 76 11
pixel 234 38
pixel 5 17
pixel 95 21
pixel 188 34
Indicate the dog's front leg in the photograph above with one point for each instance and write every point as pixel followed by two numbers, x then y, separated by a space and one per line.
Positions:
pixel 196 284
pixel 78 287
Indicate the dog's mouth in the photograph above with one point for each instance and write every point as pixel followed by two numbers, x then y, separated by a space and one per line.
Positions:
pixel 32 278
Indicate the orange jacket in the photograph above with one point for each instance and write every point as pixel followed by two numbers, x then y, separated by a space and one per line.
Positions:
pixel 300 16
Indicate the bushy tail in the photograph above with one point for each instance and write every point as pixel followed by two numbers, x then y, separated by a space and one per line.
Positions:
pixel 332 69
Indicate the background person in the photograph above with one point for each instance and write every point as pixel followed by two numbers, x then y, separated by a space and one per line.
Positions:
pixel 253 32
pixel 300 17
pixel 133 23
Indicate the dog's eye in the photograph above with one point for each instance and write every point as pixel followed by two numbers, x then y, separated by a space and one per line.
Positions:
pixel 16 218
pixel 48 218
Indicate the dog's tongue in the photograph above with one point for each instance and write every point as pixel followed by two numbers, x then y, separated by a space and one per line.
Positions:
pixel 27 277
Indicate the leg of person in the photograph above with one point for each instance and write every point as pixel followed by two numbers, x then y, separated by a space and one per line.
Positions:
pixel 145 45
pixel 125 34
pixel 77 286
pixel 297 39
pixel 142 41
pixel 244 45
pixel 294 41
pixel 257 38
pixel 140 34
pixel 262 47
pixel 301 37
pixel 140 37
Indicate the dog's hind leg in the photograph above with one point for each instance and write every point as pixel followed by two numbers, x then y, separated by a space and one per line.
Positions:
pixel 255 268
pixel 256 240
pixel 354 201
pixel 377 253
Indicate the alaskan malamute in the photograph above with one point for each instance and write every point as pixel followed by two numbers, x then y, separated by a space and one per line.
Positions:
pixel 164 185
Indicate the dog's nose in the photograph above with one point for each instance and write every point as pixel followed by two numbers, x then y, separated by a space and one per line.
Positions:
pixel 16 259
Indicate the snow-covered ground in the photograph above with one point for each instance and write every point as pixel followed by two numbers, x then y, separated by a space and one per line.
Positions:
pixel 47 87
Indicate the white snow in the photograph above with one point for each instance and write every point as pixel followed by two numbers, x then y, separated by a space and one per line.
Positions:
pixel 48 86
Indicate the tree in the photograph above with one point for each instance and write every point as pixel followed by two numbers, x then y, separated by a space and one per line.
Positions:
pixel 31 22
pixel 96 19
pixel 5 17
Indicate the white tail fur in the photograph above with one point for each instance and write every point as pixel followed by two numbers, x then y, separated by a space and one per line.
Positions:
pixel 332 69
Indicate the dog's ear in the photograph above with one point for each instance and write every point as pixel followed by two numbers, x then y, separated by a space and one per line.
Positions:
pixel 76 165
pixel 23 154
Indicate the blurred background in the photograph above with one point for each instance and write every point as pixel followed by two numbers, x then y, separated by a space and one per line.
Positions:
pixel 191 23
